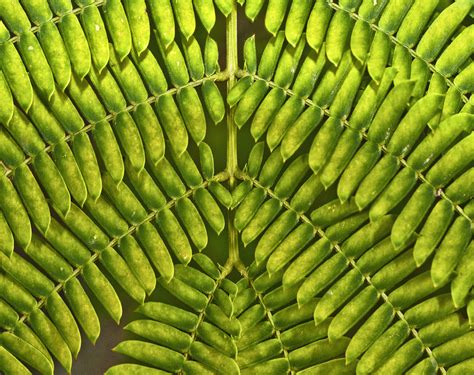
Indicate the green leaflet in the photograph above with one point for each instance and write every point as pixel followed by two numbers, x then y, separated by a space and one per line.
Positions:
pixel 26 352
pixel 433 40
pixel 156 250
pixel 33 197
pixel 174 235
pixel 275 14
pixel 16 75
pixel 120 271
pixel 7 236
pixel 63 318
pixel 14 212
pixel 450 250
pixel 151 354
pixel 297 16
pixel 76 44
pixel 137 260
pixel 412 214
pixel 36 64
pixel 83 309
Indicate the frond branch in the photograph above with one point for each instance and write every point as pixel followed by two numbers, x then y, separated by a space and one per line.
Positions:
pixel 269 316
pixel 56 19
pixel 308 102
pixel 220 177
pixel 218 77
pixel 395 41
pixel 335 246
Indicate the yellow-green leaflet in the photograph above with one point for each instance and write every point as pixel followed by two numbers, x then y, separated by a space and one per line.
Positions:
pixel 162 15
pixel 14 212
pixel 10 364
pixel 83 309
pixel 193 112
pixel 133 368
pixel 290 247
pixel 32 197
pixel 211 56
pixel 214 101
pixel 269 59
pixel 76 44
pixel 107 216
pixel 193 222
pixel 7 244
pixel 87 163
pixel 45 329
pixel 169 179
pixel 390 111
pixel 150 131
pixel 67 326
pixel 299 131
pixel 239 89
pixel 415 20
pixel 84 97
pixel 206 12
pixel 151 72
pixel 392 15
pixel 297 16
pixel 276 232
pixel 174 235
pixel 209 209
pixel 65 112
pixel 16 75
pixel 6 111
pixel 69 170
pixel 338 32
pixel 45 122
pixel 156 250
pixel 183 10
pixel 396 190
pixel 194 58
pixel 442 28
pixel 14 16
pixel 175 64
pixel 291 177
pixel 411 126
pixel 96 36
pixel 125 201
pixel 109 150
pixel 118 27
pixel 108 89
pixel 173 123
pixel 318 23
pixel 26 352
pixel 274 16
pixel 128 78
pixel 252 8
pixel 450 250
pixel 433 230
pixel 139 24
pixel 324 143
pixel 250 101
pixel 136 259
pixel 130 139
pixel 10 152
pixel 120 271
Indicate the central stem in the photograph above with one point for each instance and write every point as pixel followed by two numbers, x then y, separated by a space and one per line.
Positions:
pixel 232 164
pixel 232 66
